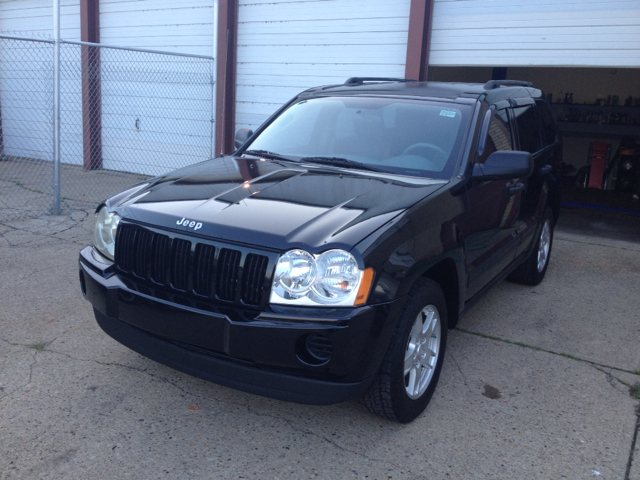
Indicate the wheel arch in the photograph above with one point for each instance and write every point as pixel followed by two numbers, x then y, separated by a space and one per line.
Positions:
pixel 554 202
pixel 445 274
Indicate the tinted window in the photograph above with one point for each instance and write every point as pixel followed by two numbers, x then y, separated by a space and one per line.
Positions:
pixel 498 136
pixel 409 137
pixel 528 128
pixel 548 123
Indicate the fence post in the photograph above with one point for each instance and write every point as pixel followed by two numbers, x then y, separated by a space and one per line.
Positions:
pixel 2 139
pixel 56 107
pixel 214 80
pixel 91 85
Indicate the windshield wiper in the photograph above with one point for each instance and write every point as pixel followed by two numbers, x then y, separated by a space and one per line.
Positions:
pixel 340 162
pixel 267 154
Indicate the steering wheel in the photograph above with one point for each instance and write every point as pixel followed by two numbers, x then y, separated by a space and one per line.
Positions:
pixel 426 150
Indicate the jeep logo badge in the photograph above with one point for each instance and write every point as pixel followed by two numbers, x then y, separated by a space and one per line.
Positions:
pixel 190 224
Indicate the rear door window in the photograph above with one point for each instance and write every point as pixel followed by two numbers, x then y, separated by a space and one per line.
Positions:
pixel 549 131
pixel 528 128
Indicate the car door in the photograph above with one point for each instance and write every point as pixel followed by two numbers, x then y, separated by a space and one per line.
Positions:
pixel 526 120
pixel 490 240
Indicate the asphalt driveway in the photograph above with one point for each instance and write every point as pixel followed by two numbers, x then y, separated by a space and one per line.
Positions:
pixel 536 385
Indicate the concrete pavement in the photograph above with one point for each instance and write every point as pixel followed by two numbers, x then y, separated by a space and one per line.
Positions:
pixel 547 398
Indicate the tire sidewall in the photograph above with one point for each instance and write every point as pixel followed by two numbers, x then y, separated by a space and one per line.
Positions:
pixel 405 408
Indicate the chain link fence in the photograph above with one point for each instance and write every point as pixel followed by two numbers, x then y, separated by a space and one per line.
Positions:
pixel 125 115
pixel 26 128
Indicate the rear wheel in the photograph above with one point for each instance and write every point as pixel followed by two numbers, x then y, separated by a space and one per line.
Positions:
pixel 410 370
pixel 532 271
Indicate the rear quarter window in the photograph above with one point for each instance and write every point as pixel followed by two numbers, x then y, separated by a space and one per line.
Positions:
pixel 528 128
pixel 549 130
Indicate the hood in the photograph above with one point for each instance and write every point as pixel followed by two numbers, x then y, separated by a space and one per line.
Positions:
pixel 273 204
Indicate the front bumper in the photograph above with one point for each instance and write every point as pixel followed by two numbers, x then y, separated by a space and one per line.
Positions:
pixel 258 351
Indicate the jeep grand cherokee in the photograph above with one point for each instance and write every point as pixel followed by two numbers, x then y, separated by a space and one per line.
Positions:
pixel 328 256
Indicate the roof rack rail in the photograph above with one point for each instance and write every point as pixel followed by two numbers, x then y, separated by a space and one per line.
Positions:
pixel 361 80
pixel 491 84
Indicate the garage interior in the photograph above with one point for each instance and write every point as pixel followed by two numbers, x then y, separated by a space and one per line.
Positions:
pixel 598 114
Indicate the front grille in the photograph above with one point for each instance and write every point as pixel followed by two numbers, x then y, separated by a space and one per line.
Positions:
pixel 203 278
pixel 180 256
pixel 255 266
pixel 199 269
pixel 227 280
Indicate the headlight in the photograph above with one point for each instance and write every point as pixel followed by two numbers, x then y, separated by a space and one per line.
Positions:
pixel 295 272
pixel 105 232
pixel 332 278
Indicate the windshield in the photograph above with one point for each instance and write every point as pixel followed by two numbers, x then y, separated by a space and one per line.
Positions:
pixel 408 137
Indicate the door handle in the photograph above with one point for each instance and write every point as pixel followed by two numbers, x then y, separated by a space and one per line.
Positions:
pixel 546 170
pixel 513 189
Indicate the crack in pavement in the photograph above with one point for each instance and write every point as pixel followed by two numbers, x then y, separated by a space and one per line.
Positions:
pixel 35 360
pixel 611 379
pixel 572 240
pixel 598 366
pixel 54 235
pixel 333 443
pixel 539 349
pixel 289 422
pixel 31 366
pixel 11 343
pixel 464 377
pixel 634 442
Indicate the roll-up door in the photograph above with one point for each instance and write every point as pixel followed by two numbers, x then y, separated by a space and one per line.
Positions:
pixel 156 109
pixel 29 18
pixel 26 82
pixel 589 33
pixel 285 47
pixel 184 26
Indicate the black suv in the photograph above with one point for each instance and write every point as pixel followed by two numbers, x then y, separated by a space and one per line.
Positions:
pixel 328 256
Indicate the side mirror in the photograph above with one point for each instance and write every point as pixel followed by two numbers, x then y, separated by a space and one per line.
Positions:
pixel 503 165
pixel 242 135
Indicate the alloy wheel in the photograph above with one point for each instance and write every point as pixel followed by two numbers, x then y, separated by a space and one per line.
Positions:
pixel 422 352
pixel 543 245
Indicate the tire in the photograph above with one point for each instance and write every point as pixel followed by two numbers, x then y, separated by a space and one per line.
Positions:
pixel 395 394
pixel 532 271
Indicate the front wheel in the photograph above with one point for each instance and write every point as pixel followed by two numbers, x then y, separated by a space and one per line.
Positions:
pixel 411 367
pixel 532 271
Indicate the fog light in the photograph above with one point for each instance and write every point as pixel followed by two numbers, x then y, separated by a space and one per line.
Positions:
pixel 319 347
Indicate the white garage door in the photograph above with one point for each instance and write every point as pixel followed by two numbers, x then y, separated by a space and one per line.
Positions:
pixel 26 82
pixel 287 46
pixel 156 109
pixel 590 33
pixel 26 17
pixel 184 26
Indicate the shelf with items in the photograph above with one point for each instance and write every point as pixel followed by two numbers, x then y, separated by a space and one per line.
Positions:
pixel 576 129
pixel 592 119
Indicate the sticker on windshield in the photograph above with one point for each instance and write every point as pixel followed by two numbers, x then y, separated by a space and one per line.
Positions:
pixel 447 113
